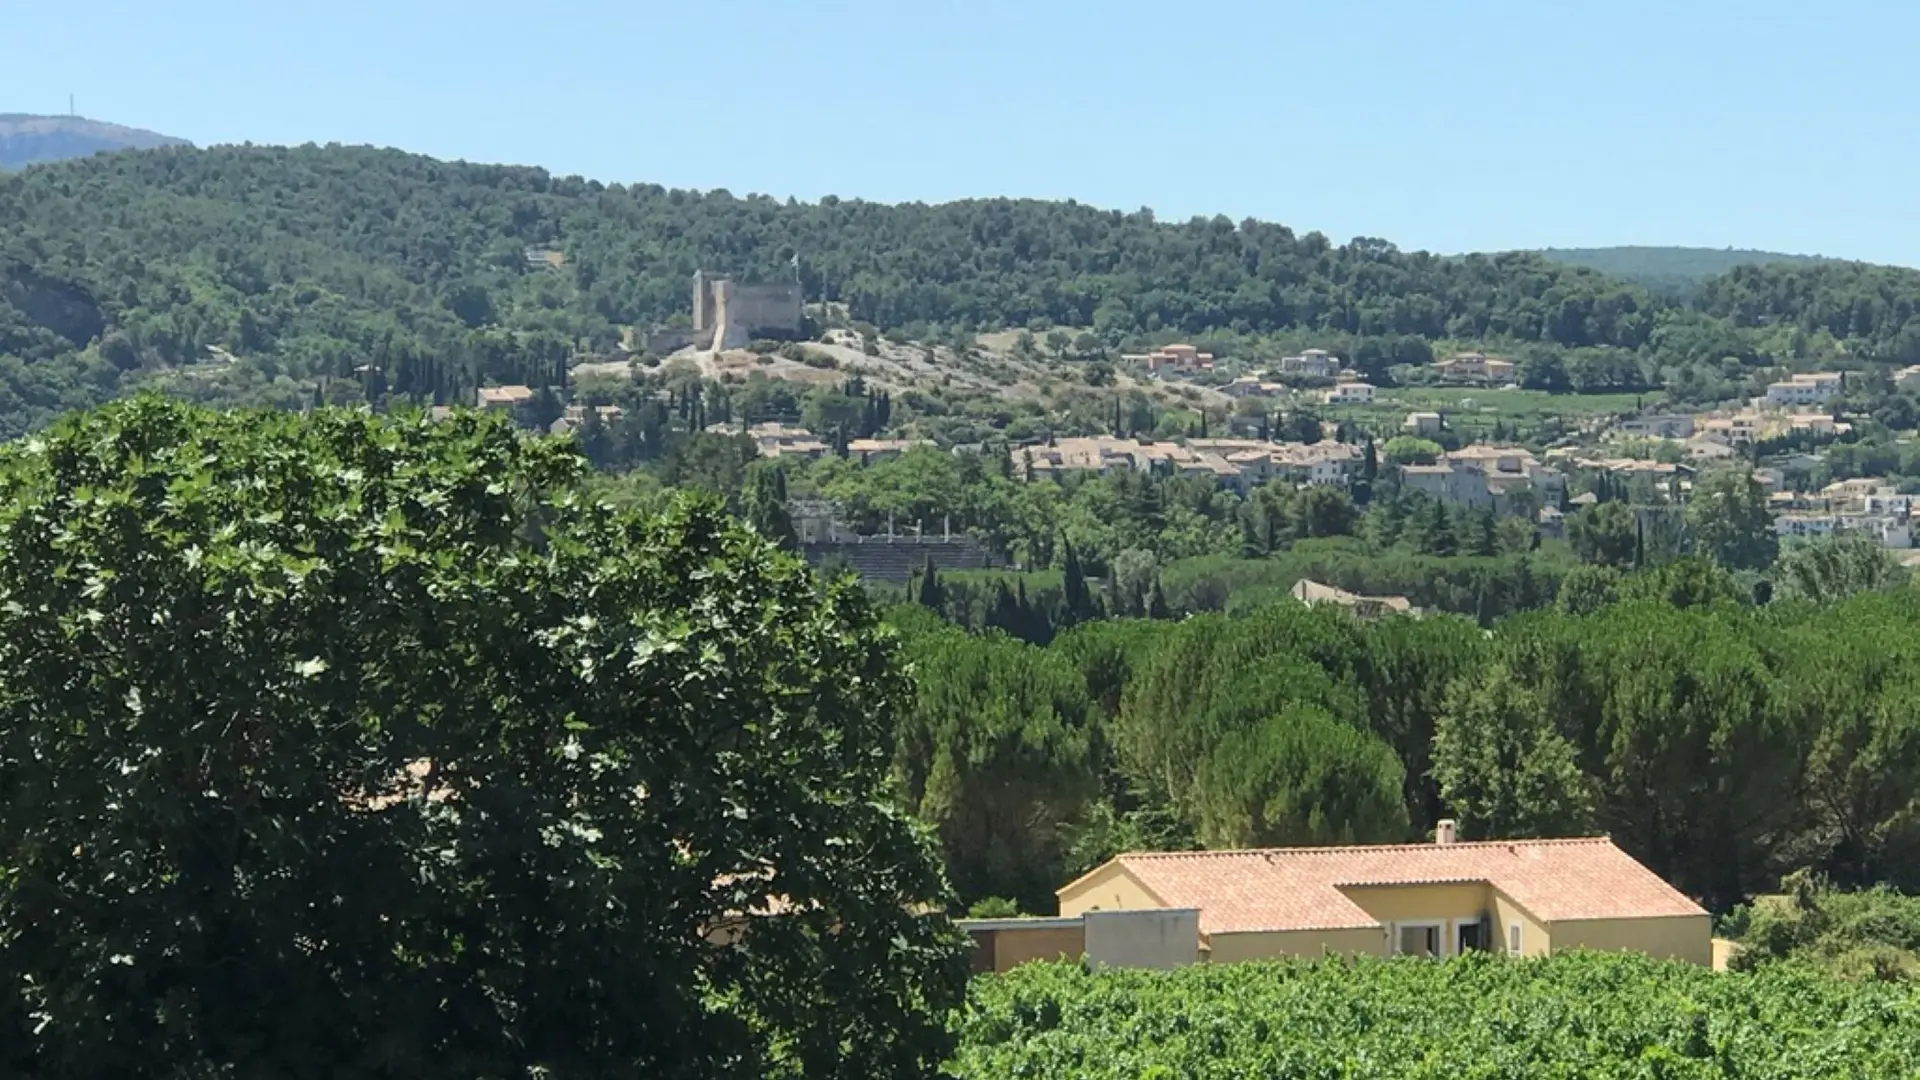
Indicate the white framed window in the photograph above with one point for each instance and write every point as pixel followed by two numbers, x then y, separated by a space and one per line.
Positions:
pixel 1513 939
pixel 1426 938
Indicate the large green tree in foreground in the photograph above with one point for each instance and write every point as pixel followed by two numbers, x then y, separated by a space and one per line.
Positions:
pixel 334 746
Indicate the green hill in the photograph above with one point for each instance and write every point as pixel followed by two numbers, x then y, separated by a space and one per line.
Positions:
pixel 1668 268
pixel 307 263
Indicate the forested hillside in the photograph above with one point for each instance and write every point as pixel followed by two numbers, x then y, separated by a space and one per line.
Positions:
pixel 286 265
pixel 1873 306
pixel 1668 270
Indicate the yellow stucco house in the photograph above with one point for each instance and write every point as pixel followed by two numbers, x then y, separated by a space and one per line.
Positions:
pixel 1521 897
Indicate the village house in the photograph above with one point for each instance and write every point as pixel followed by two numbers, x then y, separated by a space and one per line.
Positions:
pixel 1315 594
pixel 573 416
pixel 1907 378
pixel 1317 363
pixel 502 397
pixel 1659 472
pixel 1475 367
pixel 1102 454
pixel 1252 386
pixel 1172 459
pixel 1709 448
pixel 1444 482
pixel 1446 898
pixel 1817 424
pixel 1889 530
pixel 1657 427
pixel 1236 464
pixel 1736 429
pixel 1324 463
pixel 1753 424
pixel 1423 424
pixel 1175 360
pixel 874 451
pixel 1861 505
pixel 1482 475
pixel 1349 393
pixel 776 440
pixel 1806 388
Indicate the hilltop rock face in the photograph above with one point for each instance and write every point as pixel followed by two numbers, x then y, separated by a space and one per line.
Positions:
pixel 29 140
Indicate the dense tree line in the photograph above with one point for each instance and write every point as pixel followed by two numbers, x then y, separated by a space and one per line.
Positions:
pixel 1877 307
pixel 1722 743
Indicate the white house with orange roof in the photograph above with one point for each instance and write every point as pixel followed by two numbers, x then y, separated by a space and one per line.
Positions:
pixel 1520 897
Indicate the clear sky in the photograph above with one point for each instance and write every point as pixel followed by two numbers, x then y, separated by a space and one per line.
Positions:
pixel 1449 125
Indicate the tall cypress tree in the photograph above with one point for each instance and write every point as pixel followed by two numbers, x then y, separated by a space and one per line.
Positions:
pixel 1077 600
pixel 1157 602
pixel 932 595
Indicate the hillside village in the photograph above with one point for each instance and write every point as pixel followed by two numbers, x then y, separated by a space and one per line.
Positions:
pixel 1779 434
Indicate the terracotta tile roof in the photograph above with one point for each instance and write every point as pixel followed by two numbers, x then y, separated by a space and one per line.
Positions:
pixel 1304 888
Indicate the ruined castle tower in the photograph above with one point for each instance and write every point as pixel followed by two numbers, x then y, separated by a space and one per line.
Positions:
pixel 727 315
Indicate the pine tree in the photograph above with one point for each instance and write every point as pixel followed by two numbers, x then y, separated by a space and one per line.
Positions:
pixel 1203 423
pixel 1370 464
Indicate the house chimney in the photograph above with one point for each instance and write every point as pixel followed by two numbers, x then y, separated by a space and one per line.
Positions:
pixel 1445 831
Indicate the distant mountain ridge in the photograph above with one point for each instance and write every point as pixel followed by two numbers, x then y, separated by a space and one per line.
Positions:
pixel 31 140
pixel 1669 269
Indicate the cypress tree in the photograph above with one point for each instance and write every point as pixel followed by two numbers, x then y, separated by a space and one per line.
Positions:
pixel 932 595
pixel 1485 540
pixel 1157 602
pixel 1074 595
pixel 1440 538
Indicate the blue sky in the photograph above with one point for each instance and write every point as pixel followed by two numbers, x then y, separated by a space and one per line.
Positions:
pixel 1448 125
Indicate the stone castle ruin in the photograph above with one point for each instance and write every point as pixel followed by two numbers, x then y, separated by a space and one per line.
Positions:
pixel 729 315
